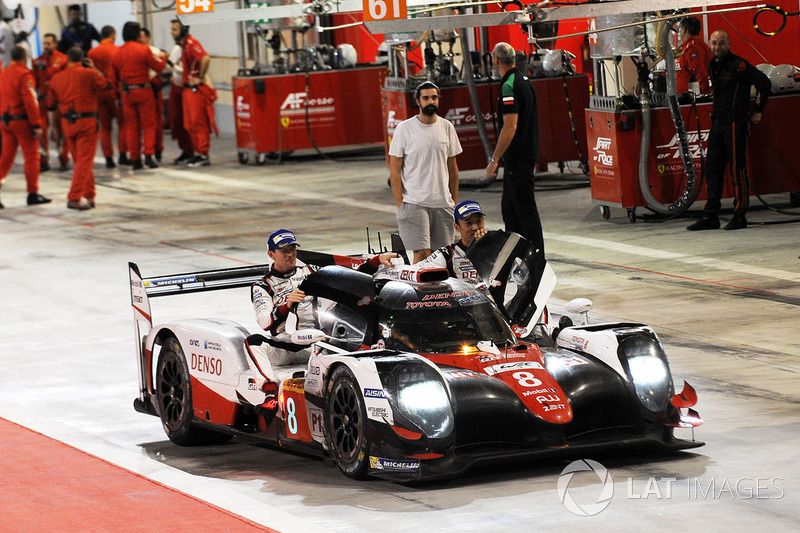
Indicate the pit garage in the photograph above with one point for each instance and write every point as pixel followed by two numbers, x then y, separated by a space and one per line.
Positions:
pixel 723 303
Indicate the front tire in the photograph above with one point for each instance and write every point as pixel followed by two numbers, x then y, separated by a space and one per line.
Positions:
pixel 174 398
pixel 345 424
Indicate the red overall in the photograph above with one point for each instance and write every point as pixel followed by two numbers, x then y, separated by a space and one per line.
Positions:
pixel 195 116
pixel 108 101
pixel 76 91
pixel 18 99
pixel 44 68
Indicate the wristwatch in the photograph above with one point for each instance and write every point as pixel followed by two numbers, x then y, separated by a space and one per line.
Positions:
pixel 492 160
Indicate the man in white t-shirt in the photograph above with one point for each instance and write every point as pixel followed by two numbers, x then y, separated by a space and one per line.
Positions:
pixel 424 175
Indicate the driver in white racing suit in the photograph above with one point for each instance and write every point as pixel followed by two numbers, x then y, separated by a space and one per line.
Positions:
pixel 273 297
pixel 469 222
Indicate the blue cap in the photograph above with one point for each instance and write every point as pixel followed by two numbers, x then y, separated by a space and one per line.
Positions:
pixel 280 239
pixel 466 208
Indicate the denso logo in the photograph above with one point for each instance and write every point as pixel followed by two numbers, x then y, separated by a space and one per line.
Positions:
pixel 672 150
pixel 374 393
pixel 208 365
pixel 298 101
pixel 600 147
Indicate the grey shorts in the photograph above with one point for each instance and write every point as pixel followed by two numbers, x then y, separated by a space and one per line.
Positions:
pixel 425 227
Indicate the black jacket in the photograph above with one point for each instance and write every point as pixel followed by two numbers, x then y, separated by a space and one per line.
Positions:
pixel 731 79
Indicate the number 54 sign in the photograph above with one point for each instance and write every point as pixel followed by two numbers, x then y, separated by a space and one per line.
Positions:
pixel 385 9
pixel 186 7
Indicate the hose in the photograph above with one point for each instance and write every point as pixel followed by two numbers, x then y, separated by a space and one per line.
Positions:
pixel 690 192
pixel 476 105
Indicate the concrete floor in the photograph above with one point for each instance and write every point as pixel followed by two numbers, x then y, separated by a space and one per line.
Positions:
pixel 725 305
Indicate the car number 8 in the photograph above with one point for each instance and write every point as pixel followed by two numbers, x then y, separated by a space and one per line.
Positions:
pixel 291 420
pixel 526 379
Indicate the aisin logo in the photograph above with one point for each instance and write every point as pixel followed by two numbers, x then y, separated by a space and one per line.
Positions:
pixel 607 491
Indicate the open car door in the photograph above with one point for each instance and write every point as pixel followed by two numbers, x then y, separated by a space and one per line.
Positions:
pixel 518 276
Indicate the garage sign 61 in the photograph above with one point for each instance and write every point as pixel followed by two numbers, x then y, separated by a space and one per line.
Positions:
pixel 385 9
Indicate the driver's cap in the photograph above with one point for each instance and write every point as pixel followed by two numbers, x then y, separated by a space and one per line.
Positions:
pixel 280 239
pixel 466 208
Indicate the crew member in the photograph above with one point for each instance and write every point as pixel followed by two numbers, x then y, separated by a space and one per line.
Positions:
pixel 21 122
pixel 75 92
pixel 78 32
pixel 731 119
pixel 518 146
pixel 157 82
pixel 108 102
pixel 133 62
pixel 176 126
pixel 44 68
pixel 695 57
pixel 196 93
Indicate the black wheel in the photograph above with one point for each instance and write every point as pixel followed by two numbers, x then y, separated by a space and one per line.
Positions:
pixel 345 424
pixel 605 212
pixel 244 157
pixel 174 397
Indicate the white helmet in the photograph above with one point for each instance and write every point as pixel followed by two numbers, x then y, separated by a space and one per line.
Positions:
pixel 785 78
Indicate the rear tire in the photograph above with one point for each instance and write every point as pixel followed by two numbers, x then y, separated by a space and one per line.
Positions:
pixel 345 424
pixel 174 399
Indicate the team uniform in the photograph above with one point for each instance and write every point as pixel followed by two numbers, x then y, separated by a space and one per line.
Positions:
pixel 177 127
pixel 133 62
pixel 693 64
pixel 453 257
pixel 425 149
pixel 80 34
pixel 518 203
pixel 731 79
pixel 197 98
pixel 75 91
pixel 19 112
pixel 44 68
pixel 103 56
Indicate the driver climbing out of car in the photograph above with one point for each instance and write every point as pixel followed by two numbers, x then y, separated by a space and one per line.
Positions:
pixel 274 296
pixel 469 222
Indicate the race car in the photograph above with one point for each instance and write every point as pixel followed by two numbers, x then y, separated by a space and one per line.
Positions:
pixel 412 375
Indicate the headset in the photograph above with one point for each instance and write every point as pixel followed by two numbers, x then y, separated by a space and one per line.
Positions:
pixel 184 29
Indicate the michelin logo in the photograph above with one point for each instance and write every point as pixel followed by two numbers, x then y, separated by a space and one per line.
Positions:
pixel 393 465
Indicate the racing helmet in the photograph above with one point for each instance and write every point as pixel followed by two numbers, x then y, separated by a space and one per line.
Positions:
pixel 785 78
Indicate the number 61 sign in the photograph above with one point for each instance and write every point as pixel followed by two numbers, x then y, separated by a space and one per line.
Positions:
pixel 385 9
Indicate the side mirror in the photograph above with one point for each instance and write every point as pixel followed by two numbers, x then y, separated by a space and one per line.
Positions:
pixel 305 337
pixel 580 305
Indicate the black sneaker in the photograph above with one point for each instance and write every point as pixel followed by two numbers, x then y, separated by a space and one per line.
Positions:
pixel 158 155
pixel 35 198
pixel 737 222
pixel 110 162
pixel 794 199
pixel 137 164
pixel 184 158
pixel 150 162
pixel 707 222
pixel 199 161
pixel 44 165
pixel 123 160
pixel 1 205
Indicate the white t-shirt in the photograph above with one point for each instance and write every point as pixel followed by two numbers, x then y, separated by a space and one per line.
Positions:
pixel 177 65
pixel 425 149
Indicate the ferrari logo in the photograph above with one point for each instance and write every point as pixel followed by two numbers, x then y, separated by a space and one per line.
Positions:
pixel 285 122
pixel 661 169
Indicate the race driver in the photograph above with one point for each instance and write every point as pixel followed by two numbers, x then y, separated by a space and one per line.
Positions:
pixel 468 219
pixel 274 296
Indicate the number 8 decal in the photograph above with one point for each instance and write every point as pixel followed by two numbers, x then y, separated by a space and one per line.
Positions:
pixel 526 379
pixel 291 420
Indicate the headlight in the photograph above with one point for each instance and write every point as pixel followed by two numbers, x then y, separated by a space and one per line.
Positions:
pixel 648 370
pixel 422 399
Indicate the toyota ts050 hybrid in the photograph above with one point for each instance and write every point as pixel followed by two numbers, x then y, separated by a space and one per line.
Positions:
pixel 411 374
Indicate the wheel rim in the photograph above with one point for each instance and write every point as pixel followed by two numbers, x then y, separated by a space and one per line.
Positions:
pixel 172 391
pixel 347 424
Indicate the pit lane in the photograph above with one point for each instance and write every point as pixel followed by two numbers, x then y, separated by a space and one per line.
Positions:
pixel 723 303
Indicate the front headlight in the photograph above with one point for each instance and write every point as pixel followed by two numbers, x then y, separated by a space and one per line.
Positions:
pixel 649 371
pixel 422 398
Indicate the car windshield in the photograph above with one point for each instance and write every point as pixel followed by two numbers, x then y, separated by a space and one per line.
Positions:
pixel 439 318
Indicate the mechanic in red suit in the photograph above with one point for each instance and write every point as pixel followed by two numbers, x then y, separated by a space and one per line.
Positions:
pixel 196 93
pixel 21 122
pixel 695 57
pixel 157 82
pixel 45 67
pixel 176 126
pixel 75 92
pixel 133 63
pixel 108 104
